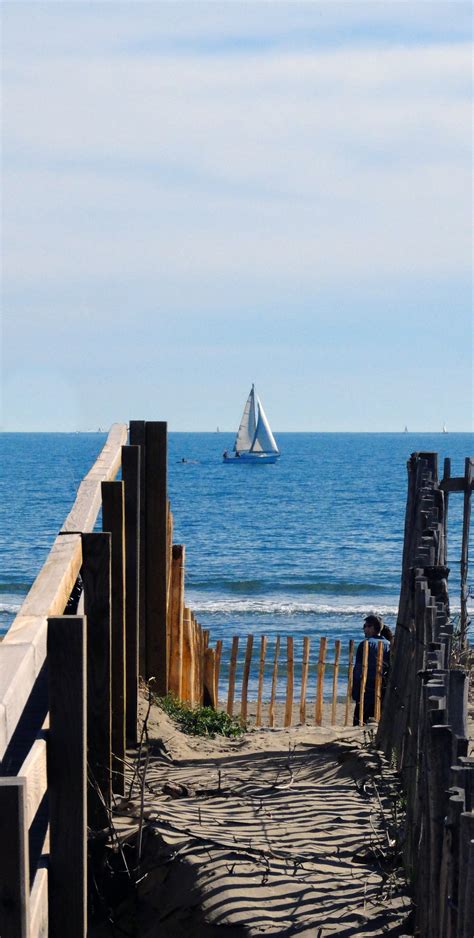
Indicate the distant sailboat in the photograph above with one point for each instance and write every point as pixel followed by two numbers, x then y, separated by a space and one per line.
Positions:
pixel 254 442
pixel 445 429
pixel 406 429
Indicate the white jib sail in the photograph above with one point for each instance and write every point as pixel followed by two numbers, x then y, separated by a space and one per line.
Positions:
pixel 264 441
pixel 246 431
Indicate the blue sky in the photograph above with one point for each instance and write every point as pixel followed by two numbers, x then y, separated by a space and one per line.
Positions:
pixel 201 195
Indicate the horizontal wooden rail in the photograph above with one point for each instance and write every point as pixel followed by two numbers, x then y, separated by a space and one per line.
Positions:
pixel 23 650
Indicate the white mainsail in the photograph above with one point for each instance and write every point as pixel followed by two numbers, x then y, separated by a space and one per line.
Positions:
pixel 263 441
pixel 246 431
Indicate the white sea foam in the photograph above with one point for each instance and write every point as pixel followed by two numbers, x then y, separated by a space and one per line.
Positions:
pixel 10 608
pixel 286 608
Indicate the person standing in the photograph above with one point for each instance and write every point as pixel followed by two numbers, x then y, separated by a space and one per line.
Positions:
pixel 372 627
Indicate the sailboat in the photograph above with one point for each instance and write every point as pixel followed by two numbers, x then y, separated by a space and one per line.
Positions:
pixel 445 429
pixel 254 442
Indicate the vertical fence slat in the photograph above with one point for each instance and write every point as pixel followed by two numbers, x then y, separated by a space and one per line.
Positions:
pixel 137 438
pixel 304 678
pixel 349 682
pixel 245 678
pixel 365 662
pixel 187 673
pixel 157 652
pixel 318 710
pixel 464 623
pixel 218 669
pixel 113 520
pixel 210 677
pixel 131 479
pixel 96 576
pixel 378 682
pixel 337 655
pixel 175 677
pixel 14 859
pixel 261 673
pixel 289 681
pixel 67 895
pixel 271 708
pixel 232 672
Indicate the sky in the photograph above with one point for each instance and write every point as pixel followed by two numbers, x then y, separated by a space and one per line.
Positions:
pixel 198 196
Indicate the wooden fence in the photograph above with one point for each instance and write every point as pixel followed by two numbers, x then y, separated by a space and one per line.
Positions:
pixel 424 721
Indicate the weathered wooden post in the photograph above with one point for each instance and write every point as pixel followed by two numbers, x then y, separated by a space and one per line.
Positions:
pixel 337 655
pixel 261 672
pixel 318 710
pixel 289 681
pixel 14 860
pixel 131 480
pixel 304 678
pixel 245 678
pixel 271 708
pixel 156 502
pixel 113 520
pixel 468 477
pixel 97 579
pixel 349 682
pixel 67 763
pixel 176 612
pixel 137 438
pixel 232 671
pixel 363 682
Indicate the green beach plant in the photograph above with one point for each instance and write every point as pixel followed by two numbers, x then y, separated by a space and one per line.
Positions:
pixel 200 721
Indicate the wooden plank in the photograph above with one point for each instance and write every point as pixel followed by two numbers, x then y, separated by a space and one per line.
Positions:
pixel 39 903
pixel 363 683
pixel 52 587
pixel 218 669
pixel 378 682
pixel 131 480
pixel 318 710
pixel 113 520
pixel 271 707
pixel 337 655
pixel 261 672
pixel 97 579
pixel 157 650
pixel 289 681
pixel 210 677
pixel 304 678
pixel 446 476
pixel 83 514
pixel 137 438
pixel 455 484
pixel 245 679
pixel 349 683
pixel 176 612
pixel 464 619
pixel 187 674
pixel 67 759
pixel 14 860
pixel 17 676
pixel 232 672
pixel 34 771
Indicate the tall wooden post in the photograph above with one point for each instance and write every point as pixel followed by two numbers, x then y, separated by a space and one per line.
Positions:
pixel 468 476
pixel 131 479
pixel 113 520
pixel 137 438
pixel 67 882
pixel 97 579
pixel 176 613
pixel 157 651
pixel 14 861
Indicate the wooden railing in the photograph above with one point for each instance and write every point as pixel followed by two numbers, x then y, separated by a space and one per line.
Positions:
pixel 424 721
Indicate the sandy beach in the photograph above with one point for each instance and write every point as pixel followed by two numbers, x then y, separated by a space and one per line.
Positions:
pixel 279 832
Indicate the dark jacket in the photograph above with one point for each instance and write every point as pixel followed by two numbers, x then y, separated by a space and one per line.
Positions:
pixel 371 667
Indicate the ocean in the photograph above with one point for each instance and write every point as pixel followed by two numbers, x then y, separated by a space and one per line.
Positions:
pixel 307 546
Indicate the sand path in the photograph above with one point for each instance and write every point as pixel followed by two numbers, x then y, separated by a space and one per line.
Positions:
pixel 279 833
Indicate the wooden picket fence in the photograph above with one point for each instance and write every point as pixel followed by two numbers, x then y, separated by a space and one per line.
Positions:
pixel 424 720
pixel 288 680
